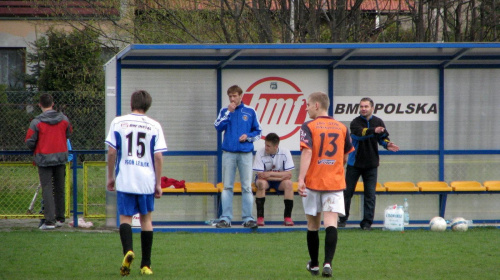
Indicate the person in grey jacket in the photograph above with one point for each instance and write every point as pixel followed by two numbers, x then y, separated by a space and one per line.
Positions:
pixel 47 137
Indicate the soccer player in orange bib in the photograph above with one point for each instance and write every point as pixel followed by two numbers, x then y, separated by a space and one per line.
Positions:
pixel 324 144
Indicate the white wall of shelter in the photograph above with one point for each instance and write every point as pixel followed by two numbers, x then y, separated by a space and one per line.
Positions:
pixel 437 100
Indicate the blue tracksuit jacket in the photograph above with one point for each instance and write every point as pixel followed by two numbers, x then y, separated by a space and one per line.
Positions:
pixel 242 121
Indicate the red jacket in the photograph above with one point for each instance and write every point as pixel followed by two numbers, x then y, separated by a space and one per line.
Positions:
pixel 47 138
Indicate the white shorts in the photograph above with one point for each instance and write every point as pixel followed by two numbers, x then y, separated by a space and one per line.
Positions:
pixel 316 202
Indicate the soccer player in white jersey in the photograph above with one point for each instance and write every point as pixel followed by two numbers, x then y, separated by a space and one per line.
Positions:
pixel 136 143
pixel 273 165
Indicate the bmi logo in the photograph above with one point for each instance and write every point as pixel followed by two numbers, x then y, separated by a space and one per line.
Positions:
pixel 279 103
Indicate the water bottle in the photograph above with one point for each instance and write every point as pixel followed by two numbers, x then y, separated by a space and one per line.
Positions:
pixel 406 212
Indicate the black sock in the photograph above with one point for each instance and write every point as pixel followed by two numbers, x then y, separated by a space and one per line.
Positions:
pixel 330 243
pixel 288 208
pixel 146 244
pixel 259 201
pixel 126 237
pixel 313 246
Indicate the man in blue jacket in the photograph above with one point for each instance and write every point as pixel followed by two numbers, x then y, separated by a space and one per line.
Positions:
pixel 241 128
pixel 367 132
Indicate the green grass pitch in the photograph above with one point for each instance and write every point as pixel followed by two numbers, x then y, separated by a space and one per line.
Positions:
pixel 94 254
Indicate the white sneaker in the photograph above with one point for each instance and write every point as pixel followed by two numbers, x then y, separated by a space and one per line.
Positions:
pixel 327 270
pixel 46 227
pixel 314 270
pixel 59 224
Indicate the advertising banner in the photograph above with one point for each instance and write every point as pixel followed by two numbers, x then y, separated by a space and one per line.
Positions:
pixel 389 108
pixel 279 97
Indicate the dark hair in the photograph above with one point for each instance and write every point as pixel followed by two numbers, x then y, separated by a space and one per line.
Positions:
pixel 233 89
pixel 141 100
pixel 273 138
pixel 46 100
pixel 367 99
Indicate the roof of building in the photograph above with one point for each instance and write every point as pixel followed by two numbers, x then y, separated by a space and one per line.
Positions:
pixel 51 9
pixel 55 8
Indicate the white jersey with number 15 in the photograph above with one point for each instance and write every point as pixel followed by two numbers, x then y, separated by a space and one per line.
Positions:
pixel 136 139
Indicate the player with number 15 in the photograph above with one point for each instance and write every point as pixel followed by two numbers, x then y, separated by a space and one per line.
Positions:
pixel 135 160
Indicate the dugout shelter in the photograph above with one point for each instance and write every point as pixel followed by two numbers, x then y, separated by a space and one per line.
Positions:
pixel 437 99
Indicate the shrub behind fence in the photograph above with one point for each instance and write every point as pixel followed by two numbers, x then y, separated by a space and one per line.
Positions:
pixel 85 110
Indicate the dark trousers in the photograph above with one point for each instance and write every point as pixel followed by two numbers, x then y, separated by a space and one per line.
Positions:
pixel 52 181
pixel 369 176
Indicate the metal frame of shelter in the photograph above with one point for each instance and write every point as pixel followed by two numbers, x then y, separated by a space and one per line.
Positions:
pixel 440 56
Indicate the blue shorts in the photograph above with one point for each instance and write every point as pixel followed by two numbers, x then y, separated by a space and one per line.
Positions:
pixel 130 204
pixel 272 184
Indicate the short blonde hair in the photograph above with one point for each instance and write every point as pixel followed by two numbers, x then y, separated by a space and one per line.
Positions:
pixel 320 97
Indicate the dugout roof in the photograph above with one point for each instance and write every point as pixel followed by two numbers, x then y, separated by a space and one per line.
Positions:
pixel 341 56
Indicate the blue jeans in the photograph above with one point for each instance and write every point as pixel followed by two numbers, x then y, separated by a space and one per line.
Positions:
pixel 369 176
pixel 242 161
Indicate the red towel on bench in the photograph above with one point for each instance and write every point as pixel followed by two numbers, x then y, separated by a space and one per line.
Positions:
pixel 172 183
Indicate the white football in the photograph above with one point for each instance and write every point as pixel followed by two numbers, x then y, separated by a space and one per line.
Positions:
pixel 437 224
pixel 459 224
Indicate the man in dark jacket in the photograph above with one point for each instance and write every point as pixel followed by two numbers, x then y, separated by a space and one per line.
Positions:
pixel 47 138
pixel 367 132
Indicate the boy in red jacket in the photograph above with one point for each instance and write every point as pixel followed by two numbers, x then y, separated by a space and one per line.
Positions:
pixel 47 138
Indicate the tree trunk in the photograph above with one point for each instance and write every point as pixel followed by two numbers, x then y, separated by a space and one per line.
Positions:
pixel 420 30
pixel 227 35
pixel 473 21
pixel 458 23
pixel 262 13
